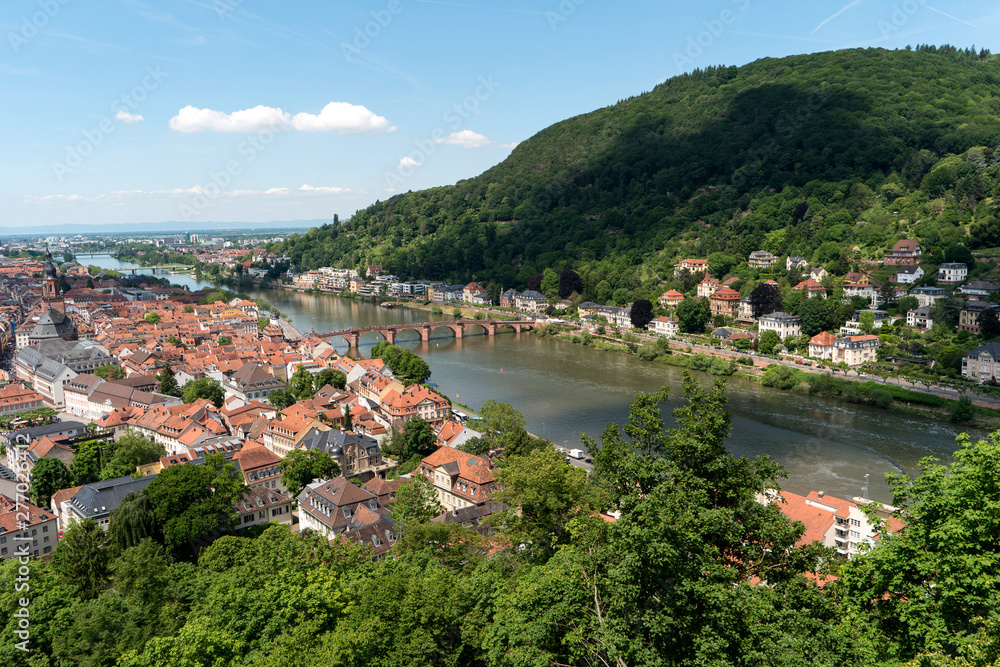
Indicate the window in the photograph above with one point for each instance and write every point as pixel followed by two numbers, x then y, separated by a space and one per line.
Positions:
pixel 45 529
pixel 46 539
pixel 856 523
pixel 276 511
pixel 34 531
pixel 248 518
pixel 855 535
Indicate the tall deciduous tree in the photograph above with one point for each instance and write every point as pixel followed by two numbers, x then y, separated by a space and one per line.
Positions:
pixel 300 467
pixel 203 388
pixel 764 299
pixel 301 384
pixel 48 475
pixel 416 502
pixel 83 558
pixel 692 315
pixel 570 282
pixel 816 317
pixel 193 502
pixel 168 383
pixel 641 313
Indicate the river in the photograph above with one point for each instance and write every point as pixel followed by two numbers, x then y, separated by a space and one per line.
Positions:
pixel 565 389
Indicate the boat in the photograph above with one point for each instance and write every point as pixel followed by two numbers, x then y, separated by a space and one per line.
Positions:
pixel 386 304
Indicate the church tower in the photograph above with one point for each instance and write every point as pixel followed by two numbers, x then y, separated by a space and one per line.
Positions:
pixel 50 285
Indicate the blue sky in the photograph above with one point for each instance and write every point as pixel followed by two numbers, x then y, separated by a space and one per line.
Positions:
pixel 250 110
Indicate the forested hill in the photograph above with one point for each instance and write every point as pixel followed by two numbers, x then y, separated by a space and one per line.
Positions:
pixel 848 148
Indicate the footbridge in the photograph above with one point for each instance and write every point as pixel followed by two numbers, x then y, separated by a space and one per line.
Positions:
pixel 460 328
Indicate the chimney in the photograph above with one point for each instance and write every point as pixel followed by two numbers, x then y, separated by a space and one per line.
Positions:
pixel 821 493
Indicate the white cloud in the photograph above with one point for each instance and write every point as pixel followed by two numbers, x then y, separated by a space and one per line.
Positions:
pixel 323 189
pixel 344 118
pixel 511 146
pixel 407 163
pixel 335 117
pixel 465 139
pixel 129 118
pixel 193 119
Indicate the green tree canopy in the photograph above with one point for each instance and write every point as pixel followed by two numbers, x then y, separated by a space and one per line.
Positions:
pixel 300 467
pixel 205 387
pixel 109 372
pixel 48 475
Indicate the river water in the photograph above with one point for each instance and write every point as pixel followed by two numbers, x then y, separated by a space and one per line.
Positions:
pixel 565 389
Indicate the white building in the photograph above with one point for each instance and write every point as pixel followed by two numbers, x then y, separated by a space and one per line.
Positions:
pixel 665 326
pixel 783 323
pixel 951 273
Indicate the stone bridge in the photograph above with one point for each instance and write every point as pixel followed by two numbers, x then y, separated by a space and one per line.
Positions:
pixel 425 329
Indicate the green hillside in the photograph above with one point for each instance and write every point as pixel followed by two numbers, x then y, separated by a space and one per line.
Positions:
pixel 804 155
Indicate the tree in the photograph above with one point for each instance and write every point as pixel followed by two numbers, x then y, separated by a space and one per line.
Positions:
pixel 133 521
pixel 189 308
pixel 128 452
pixel 83 558
pixel 867 321
pixel 692 315
pixel 541 495
pixel 204 387
pixel 168 383
pixel 570 283
pixel 631 341
pixel 418 439
pixel 550 284
pixel 907 303
pixel 416 502
pixel 769 340
pixel 301 384
pixel 300 467
pixel 263 322
pixel 816 317
pixel 945 312
pixel 719 264
pixel 989 323
pixel 175 341
pixel 641 313
pixel 764 299
pixel 348 418
pixel 281 398
pixel 109 372
pixel 193 502
pixel 152 318
pixel 225 340
pixel 931 587
pixel 332 377
pixel 887 296
pixel 498 420
pixel 48 476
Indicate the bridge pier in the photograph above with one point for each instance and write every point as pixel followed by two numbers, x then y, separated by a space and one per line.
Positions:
pixel 390 336
pixel 425 333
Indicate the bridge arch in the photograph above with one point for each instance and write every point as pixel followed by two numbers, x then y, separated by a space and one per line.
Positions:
pixel 434 327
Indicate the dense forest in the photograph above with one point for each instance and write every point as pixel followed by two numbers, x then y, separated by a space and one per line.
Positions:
pixel 830 156
pixel 696 571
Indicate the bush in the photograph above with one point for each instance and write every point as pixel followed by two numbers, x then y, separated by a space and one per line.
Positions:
pixel 962 411
pixel 780 377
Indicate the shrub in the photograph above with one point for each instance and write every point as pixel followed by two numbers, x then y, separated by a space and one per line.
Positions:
pixel 780 377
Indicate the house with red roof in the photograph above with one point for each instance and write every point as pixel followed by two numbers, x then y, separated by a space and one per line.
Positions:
pixel 670 298
pixel 725 301
pixel 833 522
pixel 461 479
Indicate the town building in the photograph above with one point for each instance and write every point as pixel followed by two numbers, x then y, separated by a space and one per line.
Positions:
pixel 784 324
pixel 26 530
pixel 358 455
pixel 795 263
pixel 762 259
pixel 904 252
pixel 952 273
pixel 707 287
pixel 982 364
pixel 460 479
pixel 811 288
pixel 908 275
pixel 835 523
pixel 972 310
pixel 979 288
pixel 690 265
pixel 251 382
pixel 926 296
pixel 860 284
pixel 665 326
pixel 329 506
pixel 856 350
pixel 96 501
pixel 725 301
pixel 920 318
pixel 670 299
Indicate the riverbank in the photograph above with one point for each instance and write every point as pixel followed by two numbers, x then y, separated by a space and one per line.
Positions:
pixel 807 379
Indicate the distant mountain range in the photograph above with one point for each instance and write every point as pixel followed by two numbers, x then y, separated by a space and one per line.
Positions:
pixel 171 227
